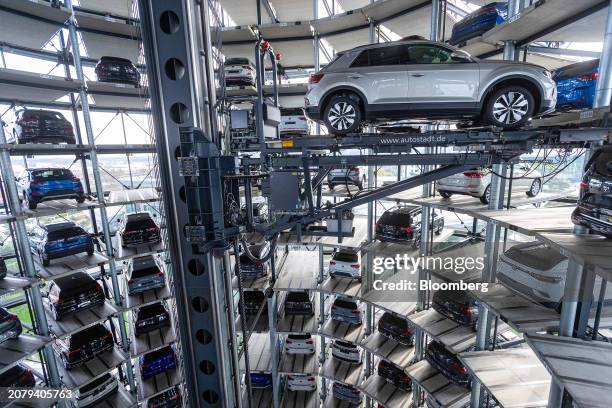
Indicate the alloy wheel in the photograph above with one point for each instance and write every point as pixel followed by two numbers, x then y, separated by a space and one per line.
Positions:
pixel 342 115
pixel 510 107
pixel 535 187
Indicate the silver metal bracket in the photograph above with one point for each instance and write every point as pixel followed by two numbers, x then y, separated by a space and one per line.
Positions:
pixel 196 234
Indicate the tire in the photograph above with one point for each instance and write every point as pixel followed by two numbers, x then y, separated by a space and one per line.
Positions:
pixel 510 107
pixel 342 115
pixel 30 203
pixel 360 186
pixel 80 199
pixel 45 262
pixel 90 252
pixel 445 194
pixel 330 186
pixel 484 198
pixel 536 187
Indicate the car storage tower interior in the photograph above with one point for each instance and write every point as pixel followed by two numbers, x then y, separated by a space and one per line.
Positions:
pixel 213 165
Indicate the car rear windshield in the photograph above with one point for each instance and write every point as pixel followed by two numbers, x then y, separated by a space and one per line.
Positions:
pixel 396 218
pixel 298 297
pixel 95 383
pixel 3 313
pixel 394 320
pixel 65 233
pixel 151 310
pixel 292 112
pixel 345 256
pixel 76 284
pixel 52 173
pixel 115 60
pixel 345 344
pixel 299 336
pixel 140 224
pixel 87 335
pixel 253 296
pixel 346 304
pixel 42 115
pixel 603 164
pixel 237 61
pixel 162 352
pixel 145 267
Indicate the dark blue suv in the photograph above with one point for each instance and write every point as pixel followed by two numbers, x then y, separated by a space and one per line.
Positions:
pixel 38 185
pixel 576 85
pixel 59 240
pixel 157 362
pixel 479 22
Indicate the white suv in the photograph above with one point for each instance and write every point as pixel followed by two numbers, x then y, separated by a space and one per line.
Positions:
pixel 420 79
pixel 239 72
pixel 299 344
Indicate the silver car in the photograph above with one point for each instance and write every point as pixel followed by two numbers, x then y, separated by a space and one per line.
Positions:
pixel 425 80
pixel 477 183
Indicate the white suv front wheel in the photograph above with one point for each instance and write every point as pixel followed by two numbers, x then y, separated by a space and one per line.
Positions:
pixel 510 107
pixel 342 115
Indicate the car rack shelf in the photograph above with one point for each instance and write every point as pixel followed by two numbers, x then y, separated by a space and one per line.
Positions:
pixel 434 383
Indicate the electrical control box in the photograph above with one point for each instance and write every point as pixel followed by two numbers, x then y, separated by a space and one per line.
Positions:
pixel 285 192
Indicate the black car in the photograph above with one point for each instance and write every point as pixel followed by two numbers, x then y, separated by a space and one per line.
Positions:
pixel 253 300
pixel 18 376
pixel 41 126
pixel 456 305
pixel 97 390
pixel 138 229
pixel 394 375
pixel 73 293
pixel 3 269
pixel 84 345
pixel 448 364
pixel 151 317
pixel 594 209
pixel 396 328
pixel 403 225
pixel 117 70
pixel 298 303
pixel 251 269
pixel 168 399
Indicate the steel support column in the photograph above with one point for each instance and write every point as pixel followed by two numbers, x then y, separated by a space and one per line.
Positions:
pixel 322 356
pixel 603 90
pixel 207 358
pixel 93 157
pixel 496 201
pixel 514 7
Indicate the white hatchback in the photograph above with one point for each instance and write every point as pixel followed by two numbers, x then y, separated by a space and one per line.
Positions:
pixel 346 351
pixel 301 382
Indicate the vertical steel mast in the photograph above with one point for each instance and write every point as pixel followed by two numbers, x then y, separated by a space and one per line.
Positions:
pixel 191 185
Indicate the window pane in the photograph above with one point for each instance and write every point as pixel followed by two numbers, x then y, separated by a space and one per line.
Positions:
pixel 393 55
pixel 429 54
pixel 361 60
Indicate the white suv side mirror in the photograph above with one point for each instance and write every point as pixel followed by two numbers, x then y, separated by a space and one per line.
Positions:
pixel 460 55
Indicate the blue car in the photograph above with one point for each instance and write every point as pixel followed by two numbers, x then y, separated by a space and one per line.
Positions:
pixel 157 362
pixel 479 22
pixel 38 185
pixel 261 380
pixel 576 85
pixel 53 241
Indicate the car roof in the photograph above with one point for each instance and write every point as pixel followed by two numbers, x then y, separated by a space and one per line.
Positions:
pixel 58 226
pixel 392 43
pixel 45 168
pixel 138 216
pixel 118 59
pixel 404 209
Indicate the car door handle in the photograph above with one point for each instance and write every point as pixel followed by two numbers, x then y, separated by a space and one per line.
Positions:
pixel 417 75
pixel 355 76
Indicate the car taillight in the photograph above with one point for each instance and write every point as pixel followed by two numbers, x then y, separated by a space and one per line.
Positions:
pixel 247 67
pixel 356 266
pixel 354 170
pixel 302 117
pixel 355 312
pixel 152 229
pixel 406 331
pixel 288 341
pixel 468 310
pixel 315 78
pixel 407 229
pixel 175 397
pixel 309 342
pixel 74 178
pixel 159 274
pixel 460 369
pixel 310 379
pixel 12 318
pixel 583 185
pixel 131 281
pixel 473 174
pixel 74 351
pixel 332 262
pixel 589 77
